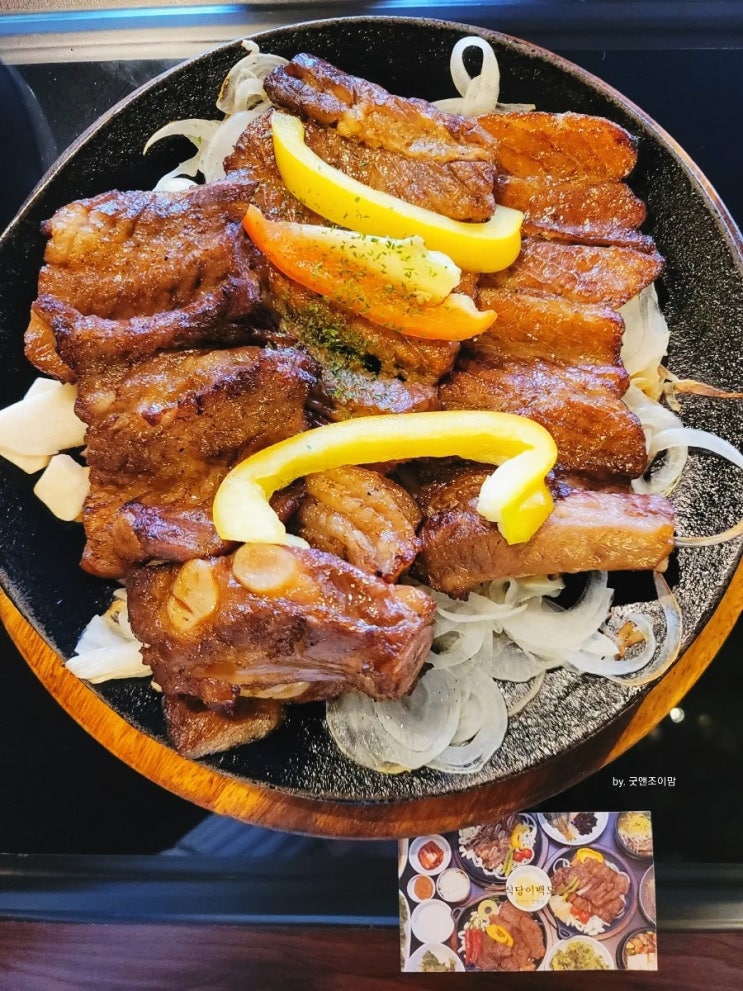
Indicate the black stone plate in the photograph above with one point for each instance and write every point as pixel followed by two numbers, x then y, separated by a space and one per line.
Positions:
pixel 702 292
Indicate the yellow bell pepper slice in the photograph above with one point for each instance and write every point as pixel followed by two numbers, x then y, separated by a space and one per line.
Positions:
pixel 586 853
pixel 394 282
pixel 485 247
pixel 515 495
pixel 499 934
pixel 519 836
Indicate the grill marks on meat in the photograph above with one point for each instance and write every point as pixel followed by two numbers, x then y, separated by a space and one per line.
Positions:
pixel 595 432
pixel 601 213
pixel 527 949
pixel 314 627
pixel 588 530
pixel 171 430
pixel 357 108
pixel 583 273
pixel 362 517
pixel 552 328
pixel 404 147
pixel 254 154
pixel 365 369
pixel 601 891
pixel 454 189
pixel 131 273
pixel 560 146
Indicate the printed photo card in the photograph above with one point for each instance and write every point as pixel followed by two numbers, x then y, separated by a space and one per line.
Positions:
pixel 533 891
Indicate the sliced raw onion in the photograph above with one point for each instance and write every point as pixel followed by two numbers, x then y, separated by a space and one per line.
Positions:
pixel 107 648
pixel 689 437
pixel 222 144
pixel 461 644
pixel 681 438
pixel 469 757
pixel 715 538
pixel 515 709
pixel 671 644
pixel 478 94
pixel 604 661
pixel 544 627
pixel 243 85
pixel 510 662
pixel 376 735
pixel 645 341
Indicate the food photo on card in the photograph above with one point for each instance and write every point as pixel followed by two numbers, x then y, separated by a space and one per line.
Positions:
pixel 531 891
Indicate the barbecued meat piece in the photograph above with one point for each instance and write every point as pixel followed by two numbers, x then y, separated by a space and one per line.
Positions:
pixel 362 517
pixel 359 109
pixel 561 146
pixel 170 430
pixel 344 392
pixel 454 189
pixel 196 730
pixel 179 259
pixel 612 531
pixel 576 210
pixel 522 953
pixel 532 326
pixel 271 616
pixel 460 190
pixel 595 432
pixel 253 153
pixel 601 889
pixel 606 275
pixel 336 336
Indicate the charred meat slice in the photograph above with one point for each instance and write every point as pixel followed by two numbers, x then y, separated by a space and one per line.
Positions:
pixel 459 190
pixel 606 275
pixel 334 335
pixel 454 189
pixel 362 517
pixel 595 432
pixel 315 89
pixel 562 146
pixel 576 210
pixel 532 326
pixel 171 429
pixel 180 258
pixel 270 616
pixel 253 153
pixel 196 730
pixel 613 531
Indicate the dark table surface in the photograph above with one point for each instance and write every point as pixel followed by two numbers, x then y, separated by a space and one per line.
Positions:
pixel 63 794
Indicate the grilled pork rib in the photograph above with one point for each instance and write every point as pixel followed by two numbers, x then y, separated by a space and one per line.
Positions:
pixel 133 273
pixel 280 621
pixel 175 425
pixel 588 529
pixel 560 146
pixel 362 517
pixel 311 87
pixel 152 303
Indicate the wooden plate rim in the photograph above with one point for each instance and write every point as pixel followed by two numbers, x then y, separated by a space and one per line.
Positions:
pixel 228 795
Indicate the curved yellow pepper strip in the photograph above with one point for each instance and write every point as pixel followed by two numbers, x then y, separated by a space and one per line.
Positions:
pixel 499 934
pixel 514 496
pixel 487 247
